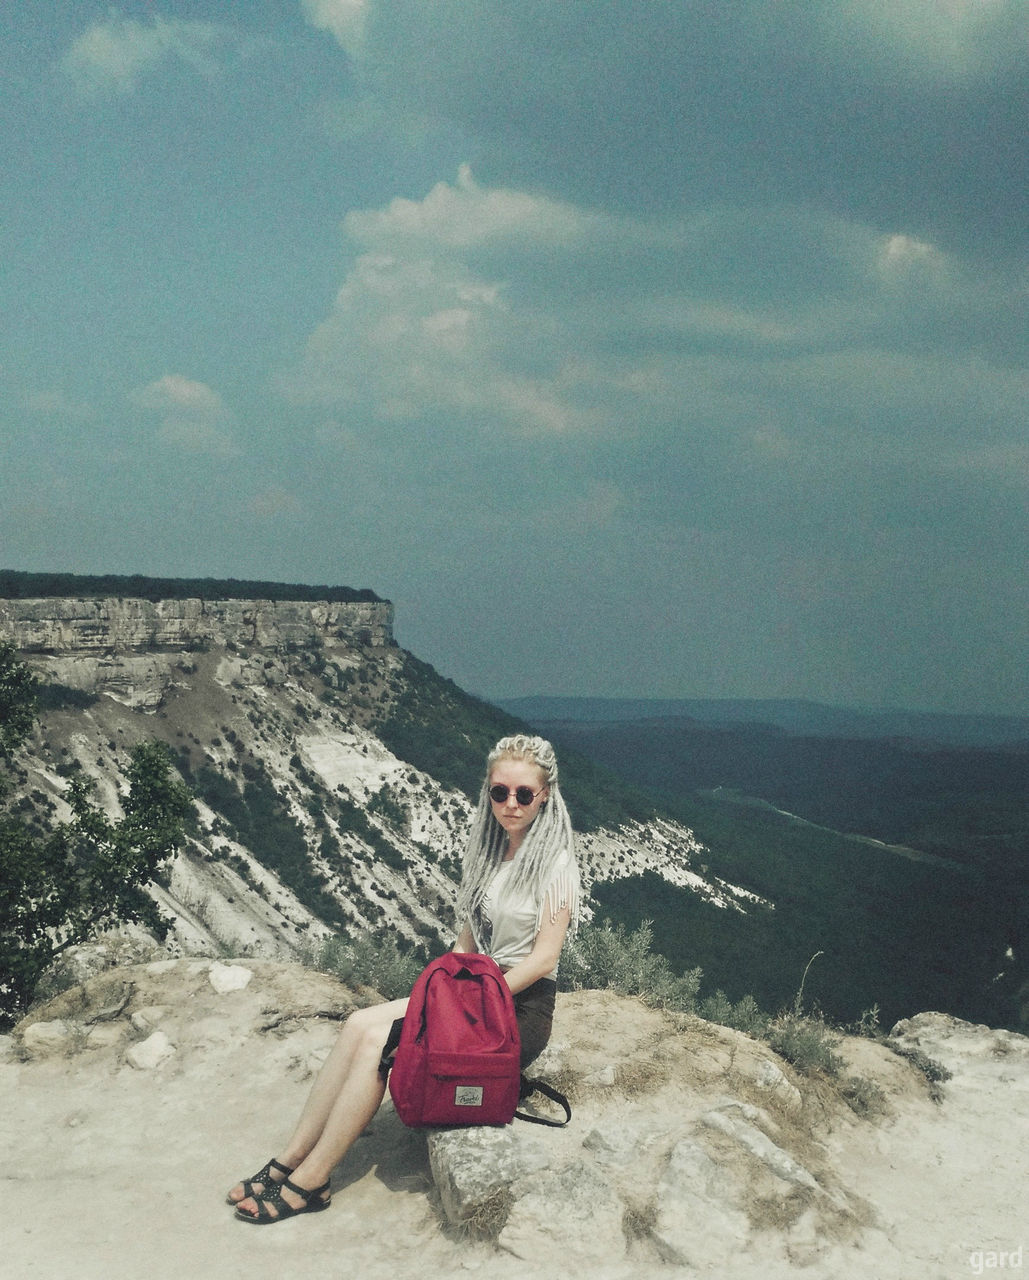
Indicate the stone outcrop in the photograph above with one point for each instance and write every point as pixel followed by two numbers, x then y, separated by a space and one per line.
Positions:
pixel 62 627
pixel 130 649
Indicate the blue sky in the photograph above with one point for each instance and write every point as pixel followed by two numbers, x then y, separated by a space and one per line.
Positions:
pixel 630 347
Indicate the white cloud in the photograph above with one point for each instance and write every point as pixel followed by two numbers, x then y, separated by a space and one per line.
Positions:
pixel 344 18
pixel 416 328
pixel 466 215
pixel 900 254
pixel 179 394
pixel 112 56
pixel 957 38
pixel 769 334
pixel 408 337
pixel 191 415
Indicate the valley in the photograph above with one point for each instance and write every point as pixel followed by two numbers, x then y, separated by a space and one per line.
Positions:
pixel 905 861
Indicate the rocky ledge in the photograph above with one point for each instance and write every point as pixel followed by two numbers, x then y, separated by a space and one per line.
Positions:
pixel 65 626
pixel 131 649
pixel 693 1149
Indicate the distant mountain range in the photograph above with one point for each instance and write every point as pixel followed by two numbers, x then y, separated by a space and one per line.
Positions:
pixel 796 716
pixel 960 788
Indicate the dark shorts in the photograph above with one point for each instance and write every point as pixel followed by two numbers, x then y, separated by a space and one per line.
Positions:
pixel 534 1009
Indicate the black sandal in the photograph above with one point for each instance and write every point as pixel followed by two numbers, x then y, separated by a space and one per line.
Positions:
pixel 284 1209
pixel 262 1176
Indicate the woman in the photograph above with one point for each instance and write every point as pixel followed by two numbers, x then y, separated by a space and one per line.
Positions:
pixel 519 896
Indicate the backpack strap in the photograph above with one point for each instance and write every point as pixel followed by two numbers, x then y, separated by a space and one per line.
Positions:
pixel 528 1087
pixel 390 1047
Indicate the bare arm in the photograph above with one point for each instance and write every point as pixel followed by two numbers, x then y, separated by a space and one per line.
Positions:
pixel 545 953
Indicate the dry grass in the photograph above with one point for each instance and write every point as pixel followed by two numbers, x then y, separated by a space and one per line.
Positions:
pixel 779 1213
pixel 489 1217
pixel 639 1218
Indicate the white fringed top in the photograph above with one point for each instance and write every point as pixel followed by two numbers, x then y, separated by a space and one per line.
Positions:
pixel 506 928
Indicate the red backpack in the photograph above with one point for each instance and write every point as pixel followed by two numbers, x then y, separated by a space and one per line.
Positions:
pixel 457 1061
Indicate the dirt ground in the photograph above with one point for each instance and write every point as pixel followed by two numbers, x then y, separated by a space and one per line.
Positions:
pixel 120 1171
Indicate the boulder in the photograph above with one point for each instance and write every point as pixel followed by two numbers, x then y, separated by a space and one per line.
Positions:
pixel 475 1168
pixel 44 1038
pixel 560 1212
pixel 229 977
pixel 697 1221
pixel 151 1052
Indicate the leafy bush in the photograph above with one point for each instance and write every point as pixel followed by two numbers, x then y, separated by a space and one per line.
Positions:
pixel 57 697
pixel 373 961
pixel 19 694
pixel 60 887
pixel 743 1016
pixel 388 805
pixel 807 1041
pixel 863 1096
pixel 608 957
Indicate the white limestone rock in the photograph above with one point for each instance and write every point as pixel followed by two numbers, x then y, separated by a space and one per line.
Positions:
pixel 151 1052
pixel 770 1077
pixel 148 1018
pixel 569 1211
pixel 42 1039
pixel 777 1161
pixel 105 1035
pixel 229 977
pixel 618 1145
pixel 697 1221
pixel 472 1167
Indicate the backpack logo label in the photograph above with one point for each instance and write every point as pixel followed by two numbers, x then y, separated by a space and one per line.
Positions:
pixel 468 1095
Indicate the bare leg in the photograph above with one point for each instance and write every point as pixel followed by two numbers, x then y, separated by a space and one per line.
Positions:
pixel 343 1099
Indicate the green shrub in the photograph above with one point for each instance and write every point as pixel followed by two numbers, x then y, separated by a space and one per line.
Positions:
pixel 935 1072
pixel 806 1041
pixel 373 961
pixel 57 697
pixel 388 805
pixel 62 886
pixel 743 1016
pixel 608 957
pixel 868 1024
pixel 863 1096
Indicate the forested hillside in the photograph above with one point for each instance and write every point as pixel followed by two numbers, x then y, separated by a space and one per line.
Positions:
pixel 907 864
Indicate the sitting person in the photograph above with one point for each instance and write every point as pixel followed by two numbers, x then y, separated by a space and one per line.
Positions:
pixel 519 896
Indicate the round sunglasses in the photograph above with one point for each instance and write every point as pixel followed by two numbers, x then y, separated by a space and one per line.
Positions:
pixel 523 795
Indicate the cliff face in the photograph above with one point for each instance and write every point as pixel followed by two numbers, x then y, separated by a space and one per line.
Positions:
pixel 308 823
pixel 129 649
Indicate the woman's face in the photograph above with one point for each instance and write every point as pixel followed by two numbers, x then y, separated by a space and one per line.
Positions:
pixel 513 772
